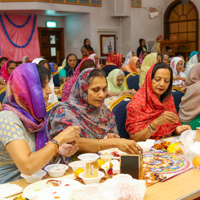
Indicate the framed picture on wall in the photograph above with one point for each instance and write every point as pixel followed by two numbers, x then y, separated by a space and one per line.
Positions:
pixel 84 2
pixel 96 2
pixel 136 3
pixel 107 44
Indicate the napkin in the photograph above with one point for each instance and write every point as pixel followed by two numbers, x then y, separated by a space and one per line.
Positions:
pixel 8 190
pixel 195 148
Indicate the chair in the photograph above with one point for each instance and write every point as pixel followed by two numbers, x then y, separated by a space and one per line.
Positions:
pixel 56 80
pixel 177 99
pixel 131 81
pixel 2 94
pixel 61 87
pixel 119 110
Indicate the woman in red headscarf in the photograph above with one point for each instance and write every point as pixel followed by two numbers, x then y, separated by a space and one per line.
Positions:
pixel 151 112
pixel 6 71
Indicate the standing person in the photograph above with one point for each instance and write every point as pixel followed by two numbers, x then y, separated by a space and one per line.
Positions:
pixel 142 47
pixel 23 122
pixel 68 71
pixel 86 49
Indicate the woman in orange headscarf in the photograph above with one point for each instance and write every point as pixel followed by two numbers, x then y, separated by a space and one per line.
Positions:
pixel 133 65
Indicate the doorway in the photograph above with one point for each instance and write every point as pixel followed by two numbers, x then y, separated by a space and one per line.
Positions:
pixel 52 44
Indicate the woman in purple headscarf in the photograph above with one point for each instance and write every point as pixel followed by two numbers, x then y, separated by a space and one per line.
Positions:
pixel 23 122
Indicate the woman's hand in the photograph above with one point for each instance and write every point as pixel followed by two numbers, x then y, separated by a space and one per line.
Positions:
pixel 68 150
pixel 182 128
pixel 70 134
pixel 128 146
pixel 111 135
pixel 166 117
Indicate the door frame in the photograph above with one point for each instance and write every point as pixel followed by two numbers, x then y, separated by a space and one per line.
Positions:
pixel 61 30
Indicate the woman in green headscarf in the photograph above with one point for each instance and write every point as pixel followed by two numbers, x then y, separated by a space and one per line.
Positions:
pixel 149 60
pixel 116 84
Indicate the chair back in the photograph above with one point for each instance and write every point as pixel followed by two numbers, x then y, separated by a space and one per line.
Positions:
pixel 2 94
pixel 119 110
pixel 61 88
pixel 177 99
pixel 132 81
pixel 56 80
pixel 48 109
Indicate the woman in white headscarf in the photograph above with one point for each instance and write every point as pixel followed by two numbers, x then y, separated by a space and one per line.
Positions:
pixel 179 77
pixel 25 59
pixel 41 61
pixel 192 62
pixel 127 59
pixel 95 58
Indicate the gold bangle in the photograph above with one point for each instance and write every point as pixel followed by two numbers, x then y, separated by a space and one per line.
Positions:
pixel 99 147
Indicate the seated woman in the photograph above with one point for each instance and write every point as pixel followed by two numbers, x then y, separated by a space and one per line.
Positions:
pixel 52 97
pixel 95 58
pixel 66 90
pixel 189 112
pixel 165 59
pixel 67 72
pixel 133 65
pixel 149 60
pixel 113 61
pixel 85 108
pixel 86 49
pixel 116 84
pixel 25 59
pixel 23 122
pixel 142 56
pixel 54 67
pixel 6 71
pixel 151 112
pixel 179 77
pixel 128 57
pixel 2 61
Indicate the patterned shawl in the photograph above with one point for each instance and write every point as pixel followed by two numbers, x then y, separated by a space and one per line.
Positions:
pixel 146 107
pixel 93 122
pixel 4 71
pixel 24 97
pixel 114 59
pixel 131 67
pixel 189 106
pixel 69 84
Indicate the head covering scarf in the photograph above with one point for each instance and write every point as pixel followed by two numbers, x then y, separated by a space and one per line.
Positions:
pixel 189 106
pixel 52 65
pixel 128 57
pixel 23 93
pixel 4 71
pixel 193 53
pixel 69 71
pixel 115 59
pixel 37 60
pixel 92 57
pixel 149 60
pixel 173 64
pixel 93 122
pixel 140 57
pixel 68 84
pixel 192 61
pixel 112 82
pixel 131 67
pixel 146 107
pixel 24 59
pixel 88 47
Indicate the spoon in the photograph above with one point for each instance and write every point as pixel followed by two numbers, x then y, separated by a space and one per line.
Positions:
pixel 57 168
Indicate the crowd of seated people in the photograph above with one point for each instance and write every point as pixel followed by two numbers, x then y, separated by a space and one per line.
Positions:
pixel 81 119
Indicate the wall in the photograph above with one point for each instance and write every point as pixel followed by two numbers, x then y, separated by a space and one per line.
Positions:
pixel 144 27
pixel 41 20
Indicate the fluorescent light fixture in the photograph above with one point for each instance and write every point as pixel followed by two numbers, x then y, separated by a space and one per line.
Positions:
pixel 51 24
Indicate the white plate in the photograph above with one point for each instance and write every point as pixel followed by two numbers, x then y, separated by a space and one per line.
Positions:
pixel 40 190
pixel 89 157
pixel 109 151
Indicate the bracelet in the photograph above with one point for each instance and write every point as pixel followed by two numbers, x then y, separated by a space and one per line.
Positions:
pixel 99 147
pixel 151 129
pixel 56 145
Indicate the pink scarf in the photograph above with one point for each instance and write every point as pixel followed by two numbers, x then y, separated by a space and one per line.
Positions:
pixel 4 72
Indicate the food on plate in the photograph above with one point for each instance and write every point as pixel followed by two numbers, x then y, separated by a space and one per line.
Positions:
pixel 153 177
pixel 19 197
pixel 55 183
pixel 175 148
pixel 196 162
pixel 162 146
pixel 78 171
pixel 100 162
pixel 115 153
